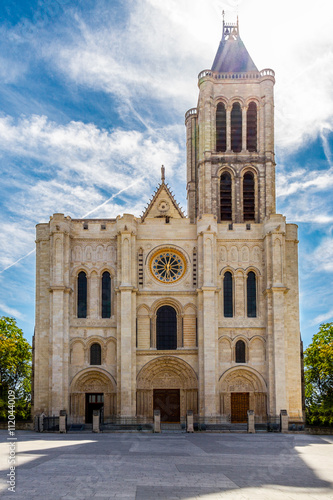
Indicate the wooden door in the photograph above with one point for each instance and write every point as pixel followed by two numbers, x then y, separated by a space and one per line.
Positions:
pixel 168 402
pixel 239 407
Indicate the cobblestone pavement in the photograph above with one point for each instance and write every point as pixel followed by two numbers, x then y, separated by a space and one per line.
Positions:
pixel 145 466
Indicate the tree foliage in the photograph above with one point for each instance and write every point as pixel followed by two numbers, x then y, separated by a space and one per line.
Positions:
pixel 318 363
pixel 15 368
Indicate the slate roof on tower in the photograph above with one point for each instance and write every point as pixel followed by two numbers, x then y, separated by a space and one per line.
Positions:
pixel 232 55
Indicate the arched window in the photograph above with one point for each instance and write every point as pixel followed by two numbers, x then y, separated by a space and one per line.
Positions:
pixel 95 354
pixel 236 128
pixel 166 328
pixel 221 128
pixel 82 295
pixel 240 352
pixel 248 197
pixel 251 127
pixel 106 295
pixel 226 196
pixel 227 295
pixel 251 295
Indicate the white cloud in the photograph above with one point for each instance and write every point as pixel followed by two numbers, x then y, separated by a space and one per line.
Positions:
pixel 10 311
pixel 323 255
pixel 323 317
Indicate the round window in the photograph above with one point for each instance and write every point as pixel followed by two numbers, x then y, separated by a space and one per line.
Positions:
pixel 168 266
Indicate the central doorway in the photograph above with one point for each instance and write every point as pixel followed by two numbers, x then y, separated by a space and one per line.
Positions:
pixel 93 402
pixel 239 407
pixel 168 402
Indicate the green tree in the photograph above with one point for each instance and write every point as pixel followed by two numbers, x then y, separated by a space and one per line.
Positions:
pixel 318 363
pixel 15 368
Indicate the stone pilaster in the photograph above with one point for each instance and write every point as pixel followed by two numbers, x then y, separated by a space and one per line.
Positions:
pixel 127 316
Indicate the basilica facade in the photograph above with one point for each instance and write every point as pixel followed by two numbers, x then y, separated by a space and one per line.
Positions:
pixel 174 312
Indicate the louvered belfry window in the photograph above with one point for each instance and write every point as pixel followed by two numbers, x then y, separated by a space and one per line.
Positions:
pixel 95 354
pixel 251 295
pixel 236 128
pixel 166 328
pixel 226 196
pixel 106 295
pixel 240 352
pixel 248 197
pixel 82 295
pixel 251 127
pixel 221 128
pixel 227 295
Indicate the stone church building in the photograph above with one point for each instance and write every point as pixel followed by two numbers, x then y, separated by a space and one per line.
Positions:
pixel 174 312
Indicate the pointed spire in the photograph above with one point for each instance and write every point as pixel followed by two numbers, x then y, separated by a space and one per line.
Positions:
pixel 232 56
pixel 162 174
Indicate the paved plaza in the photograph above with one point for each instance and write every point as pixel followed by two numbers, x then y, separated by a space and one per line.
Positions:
pixel 146 466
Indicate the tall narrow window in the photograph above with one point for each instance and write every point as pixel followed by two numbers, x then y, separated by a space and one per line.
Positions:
pixel 82 295
pixel 251 295
pixel 240 352
pixel 95 354
pixel 236 128
pixel 227 295
pixel 225 196
pixel 166 328
pixel 221 128
pixel 248 197
pixel 106 295
pixel 251 127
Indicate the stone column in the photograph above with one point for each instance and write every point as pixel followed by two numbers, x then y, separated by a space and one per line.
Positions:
pixel 62 421
pixel 157 421
pixel 244 129
pixel 96 425
pixel 189 421
pixel 228 129
pixel 250 422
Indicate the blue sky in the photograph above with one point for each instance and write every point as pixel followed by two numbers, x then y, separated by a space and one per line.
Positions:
pixel 92 102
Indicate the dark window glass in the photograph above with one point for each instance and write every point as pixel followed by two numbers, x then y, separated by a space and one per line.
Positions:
pixel 240 352
pixel 166 328
pixel 251 295
pixel 221 128
pixel 236 128
pixel 106 295
pixel 82 295
pixel 248 196
pixel 226 197
pixel 95 354
pixel 251 127
pixel 227 295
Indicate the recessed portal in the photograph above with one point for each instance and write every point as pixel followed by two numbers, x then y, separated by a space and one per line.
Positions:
pixel 239 407
pixel 93 402
pixel 168 402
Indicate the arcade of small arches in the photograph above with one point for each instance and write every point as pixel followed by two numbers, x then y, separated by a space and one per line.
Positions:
pixel 236 127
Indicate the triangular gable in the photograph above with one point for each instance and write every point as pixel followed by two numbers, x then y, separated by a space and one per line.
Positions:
pixel 163 204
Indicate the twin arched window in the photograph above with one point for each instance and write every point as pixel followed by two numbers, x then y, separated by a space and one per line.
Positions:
pixel 248 197
pixel 236 127
pixel 251 295
pixel 82 295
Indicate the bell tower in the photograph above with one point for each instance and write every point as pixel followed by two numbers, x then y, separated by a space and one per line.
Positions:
pixel 230 137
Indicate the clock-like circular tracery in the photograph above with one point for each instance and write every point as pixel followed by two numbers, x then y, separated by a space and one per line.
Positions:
pixel 168 266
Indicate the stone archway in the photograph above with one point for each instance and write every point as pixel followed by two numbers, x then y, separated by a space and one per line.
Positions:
pixel 167 374
pixel 243 386
pixel 91 381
